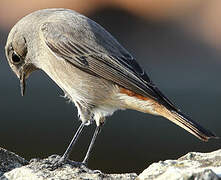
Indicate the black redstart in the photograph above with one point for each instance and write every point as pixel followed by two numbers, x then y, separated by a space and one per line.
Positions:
pixel 95 72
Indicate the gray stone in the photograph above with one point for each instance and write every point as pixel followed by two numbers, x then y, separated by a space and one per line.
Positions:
pixel 192 166
pixel 9 161
pixel 44 169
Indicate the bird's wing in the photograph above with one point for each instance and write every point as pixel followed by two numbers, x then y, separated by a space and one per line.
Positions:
pixel 101 56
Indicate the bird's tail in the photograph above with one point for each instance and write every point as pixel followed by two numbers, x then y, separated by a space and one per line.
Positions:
pixel 185 122
pixel 148 105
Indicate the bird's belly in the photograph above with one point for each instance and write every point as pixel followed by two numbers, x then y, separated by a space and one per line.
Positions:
pixel 78 85
pixel 101 96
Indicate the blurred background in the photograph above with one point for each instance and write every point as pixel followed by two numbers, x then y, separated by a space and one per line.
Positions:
pixel 177 42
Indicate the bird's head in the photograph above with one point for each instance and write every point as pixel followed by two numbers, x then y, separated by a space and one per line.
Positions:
pixel 17 54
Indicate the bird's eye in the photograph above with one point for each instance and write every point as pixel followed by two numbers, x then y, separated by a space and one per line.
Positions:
pixel 16 58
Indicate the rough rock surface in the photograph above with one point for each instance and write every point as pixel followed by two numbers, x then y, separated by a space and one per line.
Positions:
pixel 43 169
pixel 193 166
pixel 9 161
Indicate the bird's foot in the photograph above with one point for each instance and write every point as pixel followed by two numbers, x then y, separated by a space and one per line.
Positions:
pixel 55 161
pixel 51 163
pixel 84 165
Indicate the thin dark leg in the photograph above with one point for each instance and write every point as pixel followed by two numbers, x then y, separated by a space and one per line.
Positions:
pixel 73 141
pixel 96 132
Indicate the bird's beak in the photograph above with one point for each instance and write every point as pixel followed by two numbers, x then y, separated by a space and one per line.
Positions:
pixel 22 83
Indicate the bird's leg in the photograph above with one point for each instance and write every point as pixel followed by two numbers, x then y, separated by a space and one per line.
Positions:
pixel 73 141
pixel 96 132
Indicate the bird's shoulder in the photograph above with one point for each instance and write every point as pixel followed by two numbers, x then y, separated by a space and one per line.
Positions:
pixel 76 31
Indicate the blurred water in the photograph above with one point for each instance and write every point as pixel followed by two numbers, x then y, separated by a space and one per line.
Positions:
pixel 185 69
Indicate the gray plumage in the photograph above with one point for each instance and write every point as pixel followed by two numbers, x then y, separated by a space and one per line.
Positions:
pixel 89 65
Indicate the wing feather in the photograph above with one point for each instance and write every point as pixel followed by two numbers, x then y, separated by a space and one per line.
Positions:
pixel 113 63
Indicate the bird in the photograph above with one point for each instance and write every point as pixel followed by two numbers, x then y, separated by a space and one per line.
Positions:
pixel 92 68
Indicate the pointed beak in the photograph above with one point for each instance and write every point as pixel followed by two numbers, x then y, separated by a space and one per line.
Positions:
pixel 22 83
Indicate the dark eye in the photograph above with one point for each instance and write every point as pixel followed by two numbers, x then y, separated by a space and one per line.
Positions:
pixel 15 58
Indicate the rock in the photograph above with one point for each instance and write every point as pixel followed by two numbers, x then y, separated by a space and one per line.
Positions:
pixel 9 161
pixel 193 166
pixel 38 170
pixel 43 169
pixel 199 166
